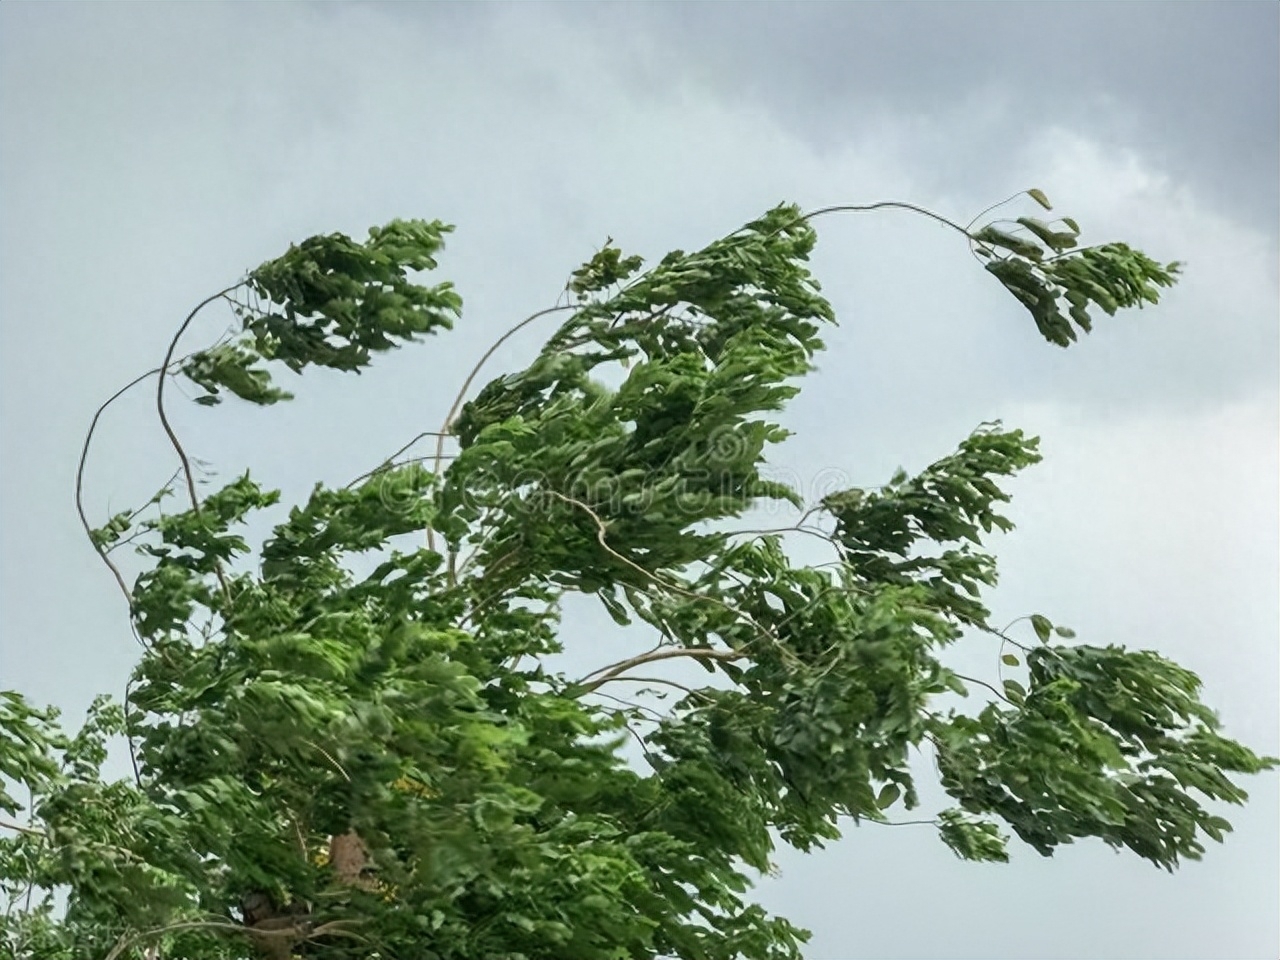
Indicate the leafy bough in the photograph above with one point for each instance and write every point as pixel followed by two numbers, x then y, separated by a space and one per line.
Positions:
pixel 333 765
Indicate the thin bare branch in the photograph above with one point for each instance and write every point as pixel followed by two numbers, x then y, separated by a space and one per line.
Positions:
pixel 163 370
pixel 84 456
pixel 303 930
pixel 883 205
pixel 697 653
pixel 659 680
pixel 5 824
pixel 168 428
pixel 389 462
pixel 983 683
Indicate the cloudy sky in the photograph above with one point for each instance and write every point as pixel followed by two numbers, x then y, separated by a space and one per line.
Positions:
pixel 149 154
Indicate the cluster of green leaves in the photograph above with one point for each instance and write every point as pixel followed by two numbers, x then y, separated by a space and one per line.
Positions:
pixel 286 702
pixel 1104 743
pixel 1038 263
pixel 332 302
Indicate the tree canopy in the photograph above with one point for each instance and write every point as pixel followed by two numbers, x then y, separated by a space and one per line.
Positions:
pixel 351 739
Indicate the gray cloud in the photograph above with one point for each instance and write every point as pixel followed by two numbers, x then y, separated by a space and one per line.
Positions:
pixel 1195 86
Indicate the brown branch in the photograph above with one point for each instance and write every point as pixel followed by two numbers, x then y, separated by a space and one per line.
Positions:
pixel 84 457
pixel 80 468
pixel 295 932
pixel 163 370
pixel 168 428
pixel 389 462
pixel 698 653
pixel 661 680
pixel 983 683
pixel 5 824
pixel 866 207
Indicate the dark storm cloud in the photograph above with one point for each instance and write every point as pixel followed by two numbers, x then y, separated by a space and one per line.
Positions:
pixel 1193 86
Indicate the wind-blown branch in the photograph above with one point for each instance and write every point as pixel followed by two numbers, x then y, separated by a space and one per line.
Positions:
pixel 163 370
pixel 602 532
pixel 297 931
pixel 605 674
pixel 164 419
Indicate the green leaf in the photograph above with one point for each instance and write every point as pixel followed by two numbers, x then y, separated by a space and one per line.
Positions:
pixel 1010 659
pixel 888 794
pixel 1042 627
pixel 1015 691
pixel 1039 197
pixel 955 684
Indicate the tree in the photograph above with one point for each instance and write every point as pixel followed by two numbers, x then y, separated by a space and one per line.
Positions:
pixel 348 742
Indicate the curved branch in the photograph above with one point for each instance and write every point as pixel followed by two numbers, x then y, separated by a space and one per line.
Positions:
pixel 698 653
pixel 602 530
pixel 168 428
pixel 6 825
pixel 660 680
pixel 883 205
pixel 389 462
pixel 84 457
pixel 983 683
pixel 994 206
pixel 163 370
pixel 654 715
pixel 796 528
pixel 298 931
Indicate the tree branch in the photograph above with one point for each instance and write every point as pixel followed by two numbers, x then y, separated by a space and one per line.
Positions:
pixel 5 824
pixel 614 671
pixel 295 931
pixel 163 370
pixel 168 428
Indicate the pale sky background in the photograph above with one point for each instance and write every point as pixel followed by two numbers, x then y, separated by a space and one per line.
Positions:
pixel 149 154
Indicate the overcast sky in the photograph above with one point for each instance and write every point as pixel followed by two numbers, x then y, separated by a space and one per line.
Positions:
pixel 150 154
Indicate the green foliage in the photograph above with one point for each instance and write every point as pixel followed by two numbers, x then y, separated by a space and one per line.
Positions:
pixel 332 302
pixel 1039 265
pixel 338 765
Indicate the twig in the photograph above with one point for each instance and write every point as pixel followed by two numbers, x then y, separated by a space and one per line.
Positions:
pixel 84 456
pixel 994 206
pixel 601 533
pixel 168 428
pixel 669 683
pixel 983 683
pixel 388 462
pixel 883 205
pixel 128 732
pixel 21 829
pixel 631 705
pixel 299 931
pixel 698 653
pixel 163 370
